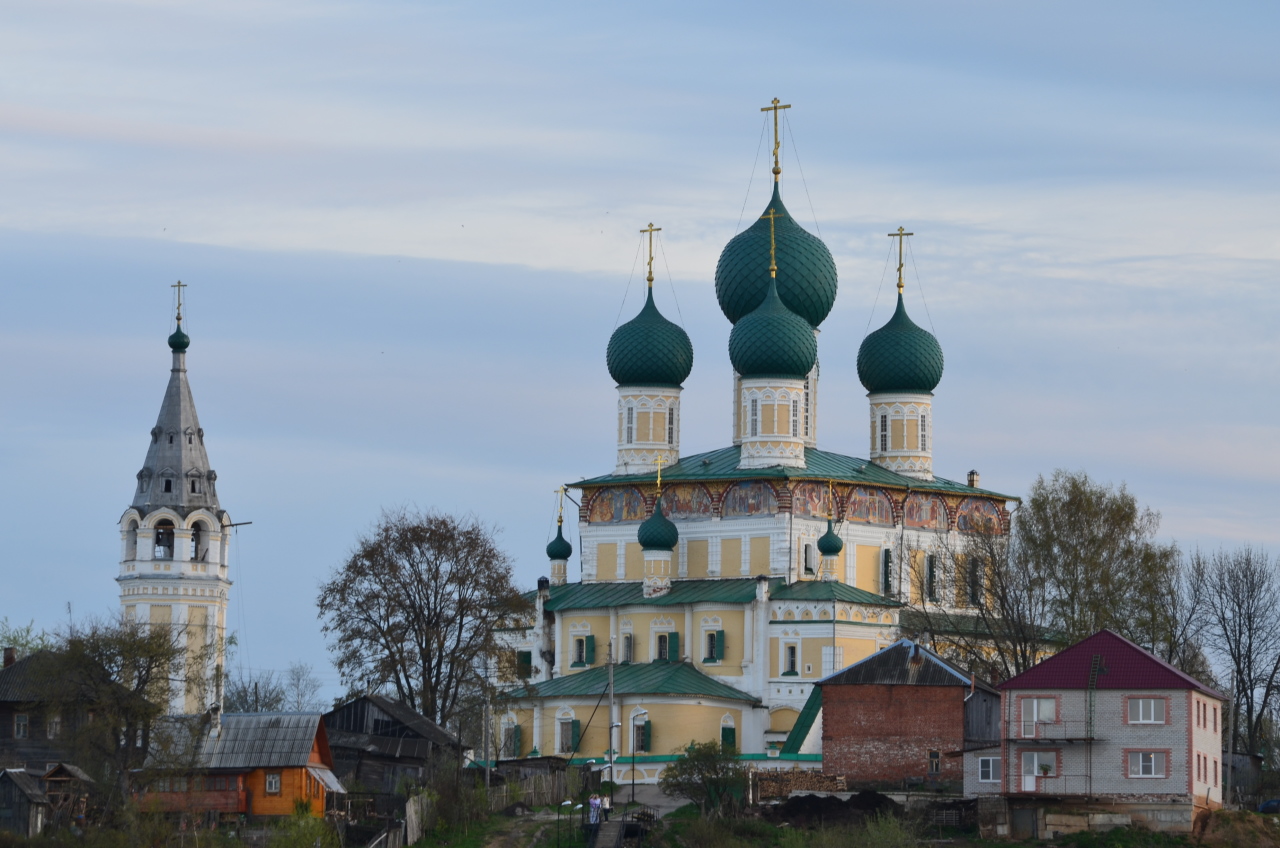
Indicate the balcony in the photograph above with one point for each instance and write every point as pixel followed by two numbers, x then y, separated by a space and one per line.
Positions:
pixel 1054 784
pixel 1032 732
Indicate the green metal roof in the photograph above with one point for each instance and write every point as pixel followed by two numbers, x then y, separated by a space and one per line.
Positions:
pixel 773 341
pixel 658 533
pixel 733 590
pixel 821 465
pixel 828 590
pixel 900 357
pixel 804 722
pixel 658 678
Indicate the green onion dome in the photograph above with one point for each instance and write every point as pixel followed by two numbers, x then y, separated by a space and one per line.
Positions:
pixel 773 341
pixel 649 350
pixel 900 357
pixel 559 547
pixel 806 271
pixel 657 533
pixel 829 544
pixel 179 341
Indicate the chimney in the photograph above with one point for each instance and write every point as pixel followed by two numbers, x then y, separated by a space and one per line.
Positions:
pixel 10 656
pixel 974 479
pixel 544 588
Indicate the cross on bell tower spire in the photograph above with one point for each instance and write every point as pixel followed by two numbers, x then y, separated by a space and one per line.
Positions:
pixel 179 286
pixel 777 139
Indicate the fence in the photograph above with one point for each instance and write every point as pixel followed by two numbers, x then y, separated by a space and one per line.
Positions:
pixel 542 790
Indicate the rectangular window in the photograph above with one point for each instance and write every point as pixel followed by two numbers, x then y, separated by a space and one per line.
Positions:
pixel 273 783
pixel 1035 712
pixel 1215 772
pixel 626 648
pixel 791 659
pixel 755 417
pixel 21 726
pixel 988 769
pixel 935 762
pixel 53 727
pixel 569 735
pixel 662 646
pixel 1147 763
pixel 1215 719
pixel 975 583
pixel 642 736
pixel 1037 764
pixel 886 573
pixel 1146 710
pixel 924 434
pixel 931 578
pixel 884 433
pixel 806 409
pixel 631 424
pixel 580 651
pixel 710 656
pixel 795 419
pixel 671 426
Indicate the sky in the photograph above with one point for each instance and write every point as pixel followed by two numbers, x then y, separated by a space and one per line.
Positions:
pixel 408 230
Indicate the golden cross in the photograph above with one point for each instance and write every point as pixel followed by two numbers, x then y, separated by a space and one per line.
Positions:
pixel 560 515
pixel 777 139
pixel 773 246
pixel 651 229
pixel 661 459
pixel 179 286
pixel 900 235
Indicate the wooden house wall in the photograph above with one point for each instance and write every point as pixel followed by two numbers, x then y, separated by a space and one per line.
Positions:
pixel 982 716
pixel 37 750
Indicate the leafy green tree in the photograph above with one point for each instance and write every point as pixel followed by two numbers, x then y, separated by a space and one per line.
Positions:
pixel 25 639
pixel 709 775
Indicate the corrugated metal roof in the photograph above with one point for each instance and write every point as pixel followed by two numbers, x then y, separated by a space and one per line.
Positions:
pixel 895 665
pixel 615 594
pixel 262 740
pixel 659 678
pixel 829 590
pixel 26 784
pixel 1124 666
pixel 821 465
pixel 23 681
pixel 415 721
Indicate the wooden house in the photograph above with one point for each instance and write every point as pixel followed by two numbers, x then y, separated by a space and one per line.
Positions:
pixel 255 764
pixel 33 736
pixel 24 809
pixel 377 743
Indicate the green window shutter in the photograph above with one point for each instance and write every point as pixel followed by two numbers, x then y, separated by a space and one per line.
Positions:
pixel 591 650
pixel 646 738
pixel 673 647
pixel 524 663
pixel 515 741
pixel 728 737
pixel 719 644
pixel 577 733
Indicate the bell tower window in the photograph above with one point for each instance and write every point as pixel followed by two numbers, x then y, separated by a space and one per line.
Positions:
pixel 671 426
pixel 168 485
pixel 631 424
pixel 795 418
pixel 755 417
pixel 884 433
pixel 164 540
pixel 924 433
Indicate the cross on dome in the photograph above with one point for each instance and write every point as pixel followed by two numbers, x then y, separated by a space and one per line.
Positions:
pixel 651 229
pixel 900 235
pixel 777 139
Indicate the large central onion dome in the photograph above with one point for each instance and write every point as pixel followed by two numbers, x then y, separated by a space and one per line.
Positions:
pixel 773 341
pixel 657 533
pixel 649 350
pixel 806 271
pixel 900 357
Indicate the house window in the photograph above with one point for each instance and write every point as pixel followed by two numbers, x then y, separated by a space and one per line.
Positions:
pixel 931 578
pixel 1035 712
pixel 755 417
pixel 631 424
pixel 21 726
pixel 1147 763
pixel 53 727
pixel 639 740
pixel 1146 710
pixel 988 769
pixel 791 660
pixel 935 762
pixel 627 655
pixel 662 646
pixel 1037 764
pixel 924 434
pixel 273 783
pixel 671 426
pixel 884 433
pixel 795 418
pixel 710 655
pixel 580 651
pixel 886 573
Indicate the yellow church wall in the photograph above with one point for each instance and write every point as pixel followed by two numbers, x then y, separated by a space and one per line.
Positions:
pixel 642 427
pixel 895 435
pixel 759 553
pixel 633 562
pixel 599 625
pixel 731 557
pixel 732 623
pixel 676 725
pixel 811 652
pixel 607 561
pixel 783 719
pixel 915 577
pixel 766 419
pixel 913 433
pixel 773 656
pixel 697 550
pixel 867 568
pixel 855 649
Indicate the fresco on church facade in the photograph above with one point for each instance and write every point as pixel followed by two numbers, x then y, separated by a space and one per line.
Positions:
pixel 688 501
pixel 977 515
pixel 746 498
pixel 925 511
pixel 624 504
pixel 869 505
pixel 811 499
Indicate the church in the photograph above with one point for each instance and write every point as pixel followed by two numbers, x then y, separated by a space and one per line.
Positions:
pixel 717 588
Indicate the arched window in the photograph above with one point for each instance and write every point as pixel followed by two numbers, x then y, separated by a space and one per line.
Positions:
pixel 884 432
pixel 198 549
pixel 164 538
pixel 808 558
pixel 755 417
pixel 795 418
pixel 631 424
pixel 671 425
pixel 131 541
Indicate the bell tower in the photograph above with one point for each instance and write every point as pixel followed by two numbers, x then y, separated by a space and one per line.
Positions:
pixel 174 538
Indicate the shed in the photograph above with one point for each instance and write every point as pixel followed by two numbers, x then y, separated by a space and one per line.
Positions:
pixel 377 742
pixel 24 809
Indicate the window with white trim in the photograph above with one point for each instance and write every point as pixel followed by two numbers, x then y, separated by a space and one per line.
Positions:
pixel 1148 764
pixel 631 424
pixel 566 736
pixel 988 769
pixel 924 433
pixel 755 417
pixel 1037 711
pixel 792 652
pixel 21 726
pixel 795 418
pixel 626 648
pixel 671 425
pixel 662 646
pixel 273 783
pixel 1146 710
pixel 884 432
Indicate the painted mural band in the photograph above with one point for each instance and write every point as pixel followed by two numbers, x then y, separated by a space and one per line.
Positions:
pixel 871 506
pixel 614 505
pixel 687 501
pixel 927 512
pixel 748 498
pixel 977 515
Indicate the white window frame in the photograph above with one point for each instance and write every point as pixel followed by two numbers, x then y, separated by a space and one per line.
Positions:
pixel 795 419
pixel 628 648
pixel 580 650
pixel 791 658
pixel 630 427
pixel 924 432
pixel 991 767
pixel 1147 710
pixel 661 647
pixel 564 735
pixel 1031 724
pixel 884 434
pixel 671 425
pixel 754 417
pixel 1148 765
pixel 272 779
pixel 21 726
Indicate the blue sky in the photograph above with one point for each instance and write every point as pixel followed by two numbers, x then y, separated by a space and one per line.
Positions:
pixel 408 230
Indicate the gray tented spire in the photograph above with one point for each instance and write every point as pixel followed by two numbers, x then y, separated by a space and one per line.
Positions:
pixel 177 473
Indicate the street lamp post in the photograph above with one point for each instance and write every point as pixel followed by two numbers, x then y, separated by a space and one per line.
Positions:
pixel 613 755
pixel 640 714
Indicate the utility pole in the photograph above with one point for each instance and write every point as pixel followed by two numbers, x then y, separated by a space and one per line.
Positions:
pixel 488 764
pixel 1231 741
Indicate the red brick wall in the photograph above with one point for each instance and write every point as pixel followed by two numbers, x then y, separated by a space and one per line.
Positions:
pixel 881 732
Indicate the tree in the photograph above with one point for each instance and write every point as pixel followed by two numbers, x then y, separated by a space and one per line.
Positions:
pixel 254 692
pixel 302 689
pixel 24 639
pixel 708 774
pixel 415 606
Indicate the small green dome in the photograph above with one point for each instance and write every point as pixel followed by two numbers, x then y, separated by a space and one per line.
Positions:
pixel 900 357
pixel 559 547
pixel 806 271
pixel 773 341
pixel 657 533
pixel 829 544
pixel 649 350
pixel 179 341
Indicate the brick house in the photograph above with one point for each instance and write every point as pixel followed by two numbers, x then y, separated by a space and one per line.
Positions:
pixel 897 714
pixel 1104 727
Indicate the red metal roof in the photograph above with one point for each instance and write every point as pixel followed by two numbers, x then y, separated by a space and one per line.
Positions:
pixel 1124 666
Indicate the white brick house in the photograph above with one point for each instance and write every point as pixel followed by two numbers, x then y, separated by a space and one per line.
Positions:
pixel 1108 728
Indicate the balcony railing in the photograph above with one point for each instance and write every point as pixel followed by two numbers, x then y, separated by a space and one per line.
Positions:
pixel 1075 731
pixel 1054 784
